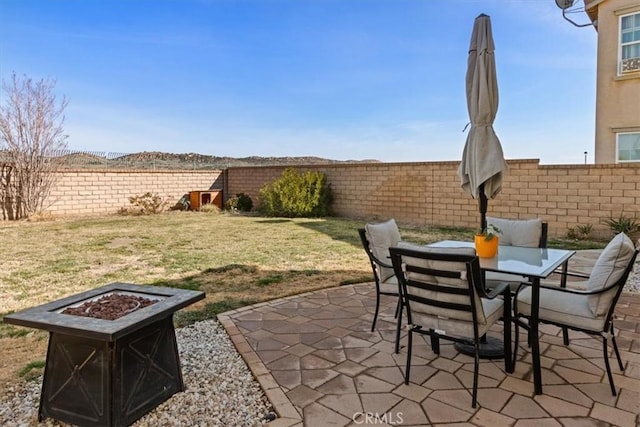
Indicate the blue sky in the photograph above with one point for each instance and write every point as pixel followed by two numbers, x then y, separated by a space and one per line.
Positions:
pixel 340 79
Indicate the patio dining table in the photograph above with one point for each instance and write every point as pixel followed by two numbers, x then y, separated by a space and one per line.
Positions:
pixel 534 263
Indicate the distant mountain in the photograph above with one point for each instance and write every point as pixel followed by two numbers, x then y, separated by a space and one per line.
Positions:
pixel 159 160
pixel 192 158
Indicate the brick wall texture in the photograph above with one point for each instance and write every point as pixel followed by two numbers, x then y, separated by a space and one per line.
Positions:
pixel 89 192
pixel 429 193
pixel 425 193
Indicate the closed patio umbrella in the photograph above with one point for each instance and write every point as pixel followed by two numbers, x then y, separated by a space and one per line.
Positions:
pixel 483 161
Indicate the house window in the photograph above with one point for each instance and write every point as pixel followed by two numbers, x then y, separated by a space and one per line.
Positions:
pixel 630 43
pixel 629 147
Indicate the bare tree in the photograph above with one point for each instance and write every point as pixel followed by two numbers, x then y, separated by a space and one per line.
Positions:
pixel 31 133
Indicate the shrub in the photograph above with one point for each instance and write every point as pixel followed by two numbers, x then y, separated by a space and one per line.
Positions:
pixel 146 204
pixel 580 232
pixel 623 224
pixel 296 194
pixel 209 208
pixel 240 202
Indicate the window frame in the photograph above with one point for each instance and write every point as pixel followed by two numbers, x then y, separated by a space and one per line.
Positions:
pixel 621 44
pixel 618 134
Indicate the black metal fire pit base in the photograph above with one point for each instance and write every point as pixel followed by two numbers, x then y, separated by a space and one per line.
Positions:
pixel 109 372
pixel 93 382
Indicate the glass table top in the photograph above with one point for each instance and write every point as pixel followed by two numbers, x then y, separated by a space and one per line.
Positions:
pixel 533 262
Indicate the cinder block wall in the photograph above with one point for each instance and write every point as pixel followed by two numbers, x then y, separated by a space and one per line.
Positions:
pixel 87 192
pixel 425 193
pixel 430 193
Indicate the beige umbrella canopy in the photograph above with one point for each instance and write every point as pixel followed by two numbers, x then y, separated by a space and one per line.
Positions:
pixel 483 161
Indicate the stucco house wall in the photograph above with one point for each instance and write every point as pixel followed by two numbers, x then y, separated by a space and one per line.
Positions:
pixel 617 96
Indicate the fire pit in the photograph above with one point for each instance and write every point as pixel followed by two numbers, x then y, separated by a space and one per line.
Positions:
pixel 109 372
pixel 110 306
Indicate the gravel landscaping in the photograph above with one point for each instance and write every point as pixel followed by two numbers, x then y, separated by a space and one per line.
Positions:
pixel 220 389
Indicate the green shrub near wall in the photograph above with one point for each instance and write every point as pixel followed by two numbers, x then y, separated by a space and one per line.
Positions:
pixel 240 202
pixel 296 194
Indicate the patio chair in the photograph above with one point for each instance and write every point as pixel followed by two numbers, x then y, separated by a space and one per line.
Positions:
pixel 589 311
pixel 529 233
pixel 376 240
pixel 445 297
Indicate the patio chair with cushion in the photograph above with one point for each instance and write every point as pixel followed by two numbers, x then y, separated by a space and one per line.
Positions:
pixel 530 233
pixel 376 240
pixel 590 310
pixel 444 296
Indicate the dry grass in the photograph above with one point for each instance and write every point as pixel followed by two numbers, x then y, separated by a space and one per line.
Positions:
pixel 45 261
pixel 227 256
pixel 235 259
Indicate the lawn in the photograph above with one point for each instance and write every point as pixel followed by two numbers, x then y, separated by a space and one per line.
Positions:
pixel 235 259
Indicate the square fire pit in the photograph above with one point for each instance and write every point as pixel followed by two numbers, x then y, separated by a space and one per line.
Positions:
pixel 109 372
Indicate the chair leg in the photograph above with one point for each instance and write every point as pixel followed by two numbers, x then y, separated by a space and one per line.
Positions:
pixel 607 365
pixel 407 371
pixel 435 342
pixel 398 325
pixel 476 368
pixel 507 320
pixel 515 347
pixel 375 315
pixel 615 349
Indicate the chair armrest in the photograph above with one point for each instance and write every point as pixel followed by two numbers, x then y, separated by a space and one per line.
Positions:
pixel 569 290
pixel 577 274
pixel 377 261
pixel 582 292
pixel 572 273
pixel 500 289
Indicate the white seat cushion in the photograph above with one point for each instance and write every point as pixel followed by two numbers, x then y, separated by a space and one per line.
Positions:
pixel 518 232
pixel 381 237
pixel 562 307
pixel 390 285
pixel 607 270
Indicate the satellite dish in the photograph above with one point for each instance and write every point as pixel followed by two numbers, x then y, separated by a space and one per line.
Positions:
pixel 573 7
pixel 564 4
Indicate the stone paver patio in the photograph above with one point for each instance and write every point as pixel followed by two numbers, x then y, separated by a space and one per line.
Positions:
pixel 319 364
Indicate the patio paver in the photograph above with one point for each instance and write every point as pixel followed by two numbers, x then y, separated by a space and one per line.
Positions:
pixel 319 364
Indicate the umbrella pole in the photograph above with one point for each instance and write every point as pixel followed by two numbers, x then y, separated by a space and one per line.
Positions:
pixel 483 226
pixel 490 347
pixel 483 208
